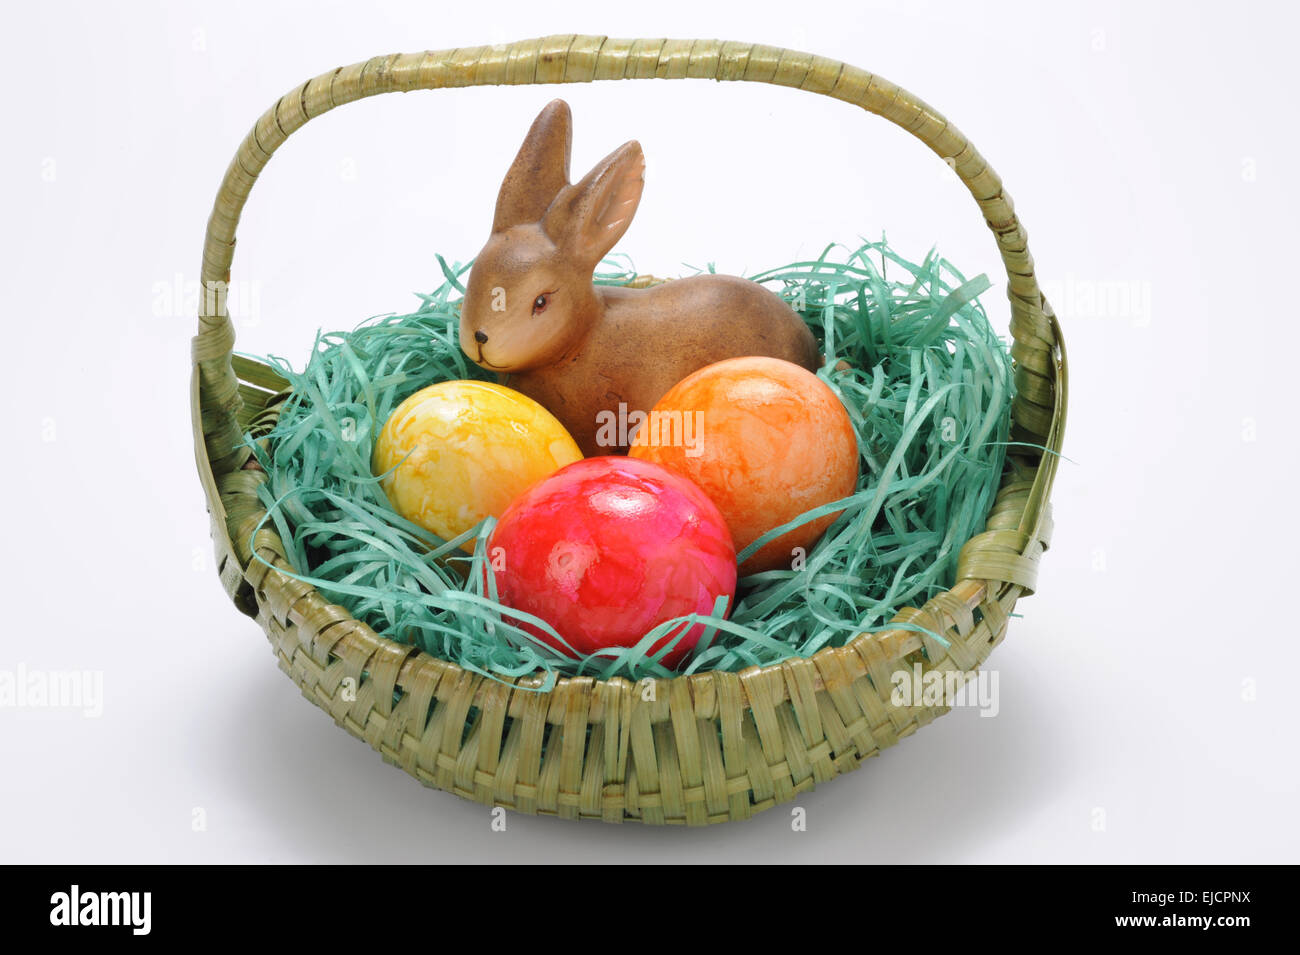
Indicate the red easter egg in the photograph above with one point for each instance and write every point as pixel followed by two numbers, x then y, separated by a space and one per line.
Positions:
pixel 607 548
pixel 766 439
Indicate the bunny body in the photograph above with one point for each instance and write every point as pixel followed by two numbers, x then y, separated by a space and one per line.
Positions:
pixel 532 314
pixel 622 360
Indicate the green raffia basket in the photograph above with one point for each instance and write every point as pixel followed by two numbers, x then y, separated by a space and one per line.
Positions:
pixel 698 749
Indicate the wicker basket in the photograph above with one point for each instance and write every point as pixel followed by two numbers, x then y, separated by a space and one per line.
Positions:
pixel 698 749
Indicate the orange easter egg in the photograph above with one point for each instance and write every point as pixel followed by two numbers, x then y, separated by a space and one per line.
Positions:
pixel 766 439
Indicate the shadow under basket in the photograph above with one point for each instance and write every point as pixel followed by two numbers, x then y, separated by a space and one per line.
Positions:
pixel 705 748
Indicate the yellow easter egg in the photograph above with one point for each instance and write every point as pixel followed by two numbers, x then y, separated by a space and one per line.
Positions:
pixel 458 451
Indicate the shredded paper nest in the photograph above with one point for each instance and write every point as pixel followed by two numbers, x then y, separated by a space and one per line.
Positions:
pixel 910 352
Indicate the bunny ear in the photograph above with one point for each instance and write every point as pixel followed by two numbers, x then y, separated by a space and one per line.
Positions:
pixel 540 170
pixel 588 218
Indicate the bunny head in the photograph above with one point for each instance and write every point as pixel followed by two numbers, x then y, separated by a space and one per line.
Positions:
pixel 529 300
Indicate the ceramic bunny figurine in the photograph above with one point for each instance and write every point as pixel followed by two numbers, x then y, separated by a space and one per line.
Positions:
pixel 532 314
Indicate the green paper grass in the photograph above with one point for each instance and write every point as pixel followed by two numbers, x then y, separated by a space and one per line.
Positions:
pixel 910 352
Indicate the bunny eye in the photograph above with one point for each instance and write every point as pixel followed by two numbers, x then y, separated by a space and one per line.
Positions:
pixel 540 303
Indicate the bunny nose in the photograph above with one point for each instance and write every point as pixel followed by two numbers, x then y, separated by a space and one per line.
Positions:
pixel 480 336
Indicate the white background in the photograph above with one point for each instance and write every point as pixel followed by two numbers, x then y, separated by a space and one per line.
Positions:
pixel 1146 694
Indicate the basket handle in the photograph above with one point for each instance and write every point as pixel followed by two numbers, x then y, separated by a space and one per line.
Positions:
pixel 1038 410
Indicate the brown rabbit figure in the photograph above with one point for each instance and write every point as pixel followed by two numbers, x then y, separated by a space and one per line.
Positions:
pixel 532 314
